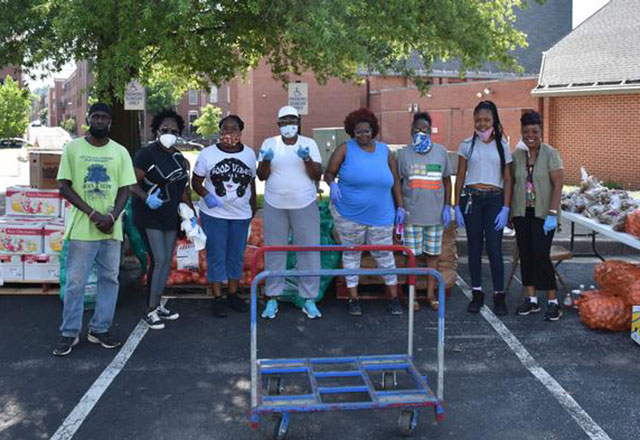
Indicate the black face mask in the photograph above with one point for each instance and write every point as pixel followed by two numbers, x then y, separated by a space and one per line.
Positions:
pixel 99 133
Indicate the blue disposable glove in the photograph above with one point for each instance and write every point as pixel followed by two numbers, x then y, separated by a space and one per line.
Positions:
pixel 502 218
pixel 446 215
pixel 303 152
pixel 266 155
pixel 153 200
pixel 211 201
pixel 459 218
pixel 400 215
pixel 550 224
pixel 335 195
pixel 194 221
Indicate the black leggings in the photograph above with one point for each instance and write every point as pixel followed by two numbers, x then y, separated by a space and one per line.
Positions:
pixel 534 247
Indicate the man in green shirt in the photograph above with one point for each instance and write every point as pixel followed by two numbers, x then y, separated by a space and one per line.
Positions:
pixel 94 176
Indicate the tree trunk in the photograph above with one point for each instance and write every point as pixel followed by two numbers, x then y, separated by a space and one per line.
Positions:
pixel 125 128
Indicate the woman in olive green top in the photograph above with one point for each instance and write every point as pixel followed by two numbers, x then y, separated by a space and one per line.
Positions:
pixel 538 177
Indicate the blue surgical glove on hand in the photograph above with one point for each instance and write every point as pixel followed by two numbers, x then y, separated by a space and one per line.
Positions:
pixel 446 215
pixel 400 215
pixel 459 218
pixel 153 200
pixel 550 224
pixel 194 221
pixel 303 152
pixel 211 201
pixel 502 218
pixel 335 195
pixel 266 155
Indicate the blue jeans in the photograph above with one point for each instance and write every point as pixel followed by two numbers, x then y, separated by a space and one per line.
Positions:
pixel 479 219
pixel 226 240
pixel 80 257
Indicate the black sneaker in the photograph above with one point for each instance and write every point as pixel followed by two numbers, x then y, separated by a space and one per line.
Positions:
pixel 527 307
pixel 500 304
pixel 153 321
pixel 353 307
pixel 553 313
pixel 477 302
pixel 236 303
pixel 166 314
pixel 65 345
pixel 105 339
pixel 218 308
pixel 394 307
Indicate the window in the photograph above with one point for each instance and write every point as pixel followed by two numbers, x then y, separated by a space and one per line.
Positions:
pixel 213 95
pixel 193 97
pixel 193 115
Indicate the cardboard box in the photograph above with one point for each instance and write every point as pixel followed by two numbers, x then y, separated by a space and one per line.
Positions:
pixel 41 268
pixel 53 234
pixel 22 200
pixel 20 236
pixel 43 169
pixel 65 210
pixel 11 268
pixel 635 323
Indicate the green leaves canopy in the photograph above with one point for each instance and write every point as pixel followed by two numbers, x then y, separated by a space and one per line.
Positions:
pixel 15 104
pixel 207 123
pixel 209 41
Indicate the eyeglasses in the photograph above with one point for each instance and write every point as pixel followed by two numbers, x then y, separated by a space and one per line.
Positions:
pixel 421 130
pixel 167 130
pixel 363 132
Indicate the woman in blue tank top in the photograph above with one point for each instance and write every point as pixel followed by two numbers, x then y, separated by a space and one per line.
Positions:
pixel 366 200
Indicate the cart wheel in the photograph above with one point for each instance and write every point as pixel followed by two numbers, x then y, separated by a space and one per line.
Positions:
pixel 389 380
pixel 281 426
pixel 274 385
pixel 408 421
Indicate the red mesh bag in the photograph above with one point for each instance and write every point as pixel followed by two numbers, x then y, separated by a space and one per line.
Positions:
pixel 633 294
pixel 604 312
pixel 616 276
pixel 632 224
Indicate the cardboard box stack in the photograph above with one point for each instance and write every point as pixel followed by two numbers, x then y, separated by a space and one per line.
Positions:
pixel 31 234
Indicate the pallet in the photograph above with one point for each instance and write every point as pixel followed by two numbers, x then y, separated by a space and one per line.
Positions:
pixel 26 288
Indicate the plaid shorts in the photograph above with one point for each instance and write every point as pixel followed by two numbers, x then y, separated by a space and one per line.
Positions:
pixel 424 239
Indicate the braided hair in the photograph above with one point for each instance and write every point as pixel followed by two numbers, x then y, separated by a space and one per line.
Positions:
pixel 497 130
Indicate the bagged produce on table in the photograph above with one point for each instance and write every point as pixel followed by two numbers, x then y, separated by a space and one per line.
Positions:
pixel 632 224
pixel 604 312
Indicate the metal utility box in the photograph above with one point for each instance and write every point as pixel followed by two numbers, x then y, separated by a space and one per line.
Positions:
pixel 328 139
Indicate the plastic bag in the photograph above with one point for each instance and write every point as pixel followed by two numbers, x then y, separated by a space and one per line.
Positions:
pixel 604 312
pixel 187 256
pixel 632 224
pixel 135 238
pixel 195 234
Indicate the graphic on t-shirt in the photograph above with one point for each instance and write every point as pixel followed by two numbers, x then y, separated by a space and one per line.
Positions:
pixel 427 177
pixel 97 182
pixel 155 178
pixel 230 177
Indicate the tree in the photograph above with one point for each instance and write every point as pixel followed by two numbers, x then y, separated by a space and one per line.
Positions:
pixel 44 116
pixel 210 41
pixel 69 124
pixel 15 104
pixel 207 123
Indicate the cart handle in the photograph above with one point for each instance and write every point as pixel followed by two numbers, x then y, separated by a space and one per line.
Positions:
pixel 332 248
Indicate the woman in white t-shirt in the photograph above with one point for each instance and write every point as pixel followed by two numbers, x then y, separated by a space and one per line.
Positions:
pixel 291 166
pixel 224 177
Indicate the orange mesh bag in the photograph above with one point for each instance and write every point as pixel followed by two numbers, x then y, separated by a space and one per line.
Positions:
pixel 616 276
pixel 632 224
pixel 633 294
pixel 604 312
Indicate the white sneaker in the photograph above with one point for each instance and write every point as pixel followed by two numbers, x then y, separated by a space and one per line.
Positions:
pixel 166 313
pixel 153 320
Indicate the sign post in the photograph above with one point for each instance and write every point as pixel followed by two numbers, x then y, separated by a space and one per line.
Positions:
pixel 135 99
pixel 299 97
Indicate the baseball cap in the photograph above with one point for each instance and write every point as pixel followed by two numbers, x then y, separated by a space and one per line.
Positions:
pixel 288 110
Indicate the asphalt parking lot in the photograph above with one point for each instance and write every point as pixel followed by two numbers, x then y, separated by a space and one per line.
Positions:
pixel 528 379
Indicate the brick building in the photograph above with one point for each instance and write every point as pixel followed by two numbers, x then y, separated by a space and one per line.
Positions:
pixel 13 72
pixel 589 88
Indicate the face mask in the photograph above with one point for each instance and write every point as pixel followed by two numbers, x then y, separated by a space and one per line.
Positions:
pixel 168 140
pixel 422 142
pixel 484 135
pixel 289 131
pixel 99 133
pixel 229 140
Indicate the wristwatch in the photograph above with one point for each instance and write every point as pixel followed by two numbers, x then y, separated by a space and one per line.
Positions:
pixel 553 211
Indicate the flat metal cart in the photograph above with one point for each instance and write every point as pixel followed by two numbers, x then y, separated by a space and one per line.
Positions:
pixel 269 375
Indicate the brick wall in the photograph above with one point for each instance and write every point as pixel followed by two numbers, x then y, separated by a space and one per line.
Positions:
pixel 599 132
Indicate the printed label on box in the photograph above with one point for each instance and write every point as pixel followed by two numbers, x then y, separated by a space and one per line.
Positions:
pixel 53 237
pixel 42 268
pixel 11 268
pixel 20 237
pixel 187 256
pixel 23 200
pixel 635 324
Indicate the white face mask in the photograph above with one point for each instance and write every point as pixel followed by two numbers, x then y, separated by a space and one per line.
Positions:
pixel 289 131
pixel 168 140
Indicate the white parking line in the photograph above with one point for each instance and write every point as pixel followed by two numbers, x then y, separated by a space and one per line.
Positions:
pixel 588 425
pixel 72 423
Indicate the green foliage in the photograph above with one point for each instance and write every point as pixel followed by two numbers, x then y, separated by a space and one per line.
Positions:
pixel 15 104
pixel 69 125
pixel 44 116
pixel 207 123
pixel 612 184
pixel 164 89
pixel 209 41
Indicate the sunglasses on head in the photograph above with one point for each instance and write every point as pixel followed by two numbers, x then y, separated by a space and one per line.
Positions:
pixel 166 130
